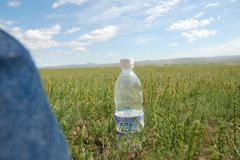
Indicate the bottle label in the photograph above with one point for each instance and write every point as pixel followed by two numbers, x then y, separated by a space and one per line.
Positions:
pixel 129 124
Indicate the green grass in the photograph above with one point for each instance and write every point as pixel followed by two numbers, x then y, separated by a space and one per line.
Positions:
pixel 191 112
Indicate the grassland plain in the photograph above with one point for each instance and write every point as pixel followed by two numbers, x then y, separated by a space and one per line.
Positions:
pixel 191 112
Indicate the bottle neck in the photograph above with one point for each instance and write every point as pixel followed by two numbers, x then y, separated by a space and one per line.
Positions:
pixel 127 69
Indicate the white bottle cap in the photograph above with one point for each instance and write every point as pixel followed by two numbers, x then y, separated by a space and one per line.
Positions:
pixel 126 63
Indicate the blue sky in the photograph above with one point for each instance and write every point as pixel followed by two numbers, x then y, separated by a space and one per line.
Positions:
pixel 62 32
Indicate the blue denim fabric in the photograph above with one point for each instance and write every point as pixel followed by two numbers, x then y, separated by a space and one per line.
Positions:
pixel 28 128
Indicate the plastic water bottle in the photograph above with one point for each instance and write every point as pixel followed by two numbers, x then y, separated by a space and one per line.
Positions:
pixel 128 100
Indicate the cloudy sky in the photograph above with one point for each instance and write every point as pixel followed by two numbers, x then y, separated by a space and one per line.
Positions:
pixel 61 32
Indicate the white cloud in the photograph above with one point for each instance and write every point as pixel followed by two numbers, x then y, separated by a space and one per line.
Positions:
pixel 211 5
pixel 115 11
pixel 14 3
pixel 232 1
pixel 199 15
pixel 173 45
pixel 147 5
pixel 111 54
pixel 16 30
pixel 230 48
pixel 75 44
pixel 75 29
pixel 4 24
pixel 100 35
pixel 189 24
pixel 7 22
pixel 184 25
pixel 198 34
pixel 37 38
pixel 81 49
pixel 3 27
pixel 161 8
pixel 64 2
pixel 205 22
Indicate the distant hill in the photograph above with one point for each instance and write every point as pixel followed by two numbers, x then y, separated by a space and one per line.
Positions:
pixel 198 60
pixel 177 61
pixel 77 65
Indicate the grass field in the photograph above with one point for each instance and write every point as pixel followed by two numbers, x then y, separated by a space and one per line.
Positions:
pixel 191 112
